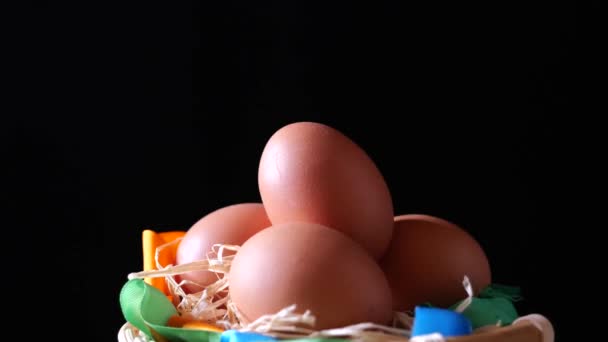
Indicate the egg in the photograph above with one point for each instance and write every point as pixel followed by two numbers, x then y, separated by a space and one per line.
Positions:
pixel 428 259
pixel 231 225
pixel 311 172
pixel 314 267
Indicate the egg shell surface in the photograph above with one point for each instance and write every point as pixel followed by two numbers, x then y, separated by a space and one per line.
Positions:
pixel 311 172
pixel 428 259
pixel 314 267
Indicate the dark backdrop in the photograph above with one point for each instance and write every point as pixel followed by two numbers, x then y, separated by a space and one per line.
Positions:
pixel 152 115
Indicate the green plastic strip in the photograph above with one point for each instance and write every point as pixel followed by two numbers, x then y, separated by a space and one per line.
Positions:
pixel 148 309
pixel 494 305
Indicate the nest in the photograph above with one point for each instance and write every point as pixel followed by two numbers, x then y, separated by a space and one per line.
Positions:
pixel 213 304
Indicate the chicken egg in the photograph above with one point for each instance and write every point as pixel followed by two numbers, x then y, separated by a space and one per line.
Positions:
pixel 428 259
pixel 311 172
pixel 230 225
pixel 314 267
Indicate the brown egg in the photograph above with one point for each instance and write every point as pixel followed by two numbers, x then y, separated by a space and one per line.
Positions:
pixel 310 172
pixel 314 267
pixel 231 225
pixel 428 259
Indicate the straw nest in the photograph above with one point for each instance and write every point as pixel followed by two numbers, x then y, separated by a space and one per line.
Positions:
pixel 213 305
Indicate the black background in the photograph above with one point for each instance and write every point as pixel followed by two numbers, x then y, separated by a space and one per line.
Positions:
pixel 150 115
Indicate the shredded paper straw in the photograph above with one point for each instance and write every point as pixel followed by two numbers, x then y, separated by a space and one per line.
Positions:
pixel 213 305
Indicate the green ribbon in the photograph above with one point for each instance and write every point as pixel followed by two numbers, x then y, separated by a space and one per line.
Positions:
pixel 494 304
pixel 148 309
